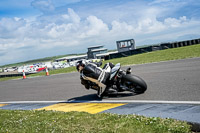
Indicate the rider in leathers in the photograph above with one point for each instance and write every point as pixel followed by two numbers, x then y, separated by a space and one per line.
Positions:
pixel 92 72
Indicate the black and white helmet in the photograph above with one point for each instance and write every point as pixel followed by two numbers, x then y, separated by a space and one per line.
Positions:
pixel 80 63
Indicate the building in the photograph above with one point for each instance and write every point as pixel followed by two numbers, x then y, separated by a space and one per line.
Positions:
pixel 99 52
pixel 125 45
pixel 95 50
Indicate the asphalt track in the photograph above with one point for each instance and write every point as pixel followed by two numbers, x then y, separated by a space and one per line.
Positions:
pixel 167 81
pixel 173 91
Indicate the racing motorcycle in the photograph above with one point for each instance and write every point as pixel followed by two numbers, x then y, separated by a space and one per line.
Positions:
pixel 119 81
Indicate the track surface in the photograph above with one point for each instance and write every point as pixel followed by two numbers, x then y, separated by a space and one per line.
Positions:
pixel 167 81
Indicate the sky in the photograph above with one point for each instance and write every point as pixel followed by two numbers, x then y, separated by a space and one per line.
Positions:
pixel 32 29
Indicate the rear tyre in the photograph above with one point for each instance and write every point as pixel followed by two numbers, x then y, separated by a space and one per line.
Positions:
pixel 135 83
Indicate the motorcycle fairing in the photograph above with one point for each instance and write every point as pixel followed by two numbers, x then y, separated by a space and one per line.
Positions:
pixel 114 70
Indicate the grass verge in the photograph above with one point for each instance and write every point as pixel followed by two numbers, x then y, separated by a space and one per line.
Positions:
pixel 162 55
pixel 50 121
pixel 57 71
pixel 156 56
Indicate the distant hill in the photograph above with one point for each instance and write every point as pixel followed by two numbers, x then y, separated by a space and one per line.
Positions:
pixel 46 59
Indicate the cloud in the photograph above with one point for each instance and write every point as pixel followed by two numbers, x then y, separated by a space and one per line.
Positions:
pixel 65 2
pixel 173 22
pixel 44 6
pixel 162 2
pixel 2 53
pixel 93 27
pixel 56 31
pixel 74 17
pixel 8 25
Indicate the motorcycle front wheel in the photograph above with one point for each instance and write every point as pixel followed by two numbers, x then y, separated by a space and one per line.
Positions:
pixel 134 83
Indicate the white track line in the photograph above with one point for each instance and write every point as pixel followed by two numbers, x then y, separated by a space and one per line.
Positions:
pixel 108 101
pixel 153 101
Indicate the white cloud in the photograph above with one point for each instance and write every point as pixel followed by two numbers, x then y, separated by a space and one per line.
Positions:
pixel 173 22
pixel 44 6
pixel 93 27
pixel 8 25
pixel 74 17
pixel 68 31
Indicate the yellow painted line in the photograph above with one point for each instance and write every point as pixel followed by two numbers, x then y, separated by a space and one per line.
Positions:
pixel 91 108
pixel 1 105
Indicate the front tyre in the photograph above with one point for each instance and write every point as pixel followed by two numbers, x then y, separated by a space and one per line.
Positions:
pixel 135 83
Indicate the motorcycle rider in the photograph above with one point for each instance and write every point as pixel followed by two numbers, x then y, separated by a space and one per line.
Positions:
pixel 92 72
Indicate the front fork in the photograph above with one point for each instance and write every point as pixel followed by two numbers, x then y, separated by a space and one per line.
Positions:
pixel 123 85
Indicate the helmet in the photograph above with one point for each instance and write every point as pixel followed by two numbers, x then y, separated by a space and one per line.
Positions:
pixel 80 63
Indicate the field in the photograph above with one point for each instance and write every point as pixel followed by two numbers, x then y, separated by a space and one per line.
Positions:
pixel 14 121
pixel 162 55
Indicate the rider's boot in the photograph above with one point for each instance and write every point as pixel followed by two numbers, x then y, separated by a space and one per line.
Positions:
pixel 101 91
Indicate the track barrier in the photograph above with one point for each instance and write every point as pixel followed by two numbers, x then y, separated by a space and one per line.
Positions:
pixel 161 46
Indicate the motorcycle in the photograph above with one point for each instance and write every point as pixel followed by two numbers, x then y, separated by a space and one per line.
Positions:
pixel 118 81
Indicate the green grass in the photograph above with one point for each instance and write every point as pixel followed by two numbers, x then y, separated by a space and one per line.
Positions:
pixel 156 56
pixel 10 78
pixel 56 71
pixel 162 55
pixel 17 121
